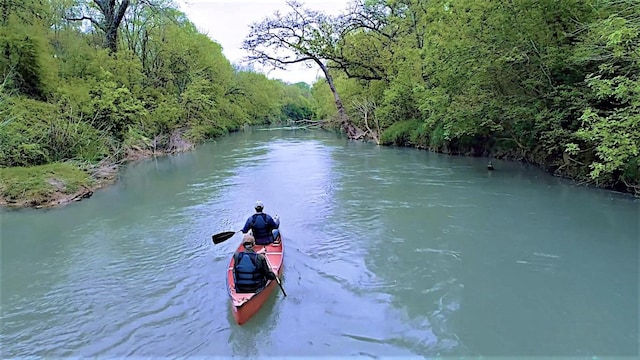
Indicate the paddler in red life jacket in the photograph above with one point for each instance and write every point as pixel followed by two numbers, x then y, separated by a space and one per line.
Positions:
pixel 263 226
pixel 250 269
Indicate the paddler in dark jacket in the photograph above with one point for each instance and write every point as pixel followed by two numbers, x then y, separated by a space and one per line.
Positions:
pixel 250 269
pixel 263 226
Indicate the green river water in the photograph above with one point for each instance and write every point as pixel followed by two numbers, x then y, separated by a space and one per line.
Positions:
pixel 390 252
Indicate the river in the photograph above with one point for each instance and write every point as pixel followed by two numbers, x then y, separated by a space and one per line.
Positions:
pixel 389 252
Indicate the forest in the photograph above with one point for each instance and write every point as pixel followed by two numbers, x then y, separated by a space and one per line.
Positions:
pixel 555 83
pixel 86 84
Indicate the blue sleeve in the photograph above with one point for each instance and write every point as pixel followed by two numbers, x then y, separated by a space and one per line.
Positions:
pixel 247 225
pixel 265 269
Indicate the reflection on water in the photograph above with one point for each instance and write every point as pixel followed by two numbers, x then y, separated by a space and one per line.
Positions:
pixel 389 252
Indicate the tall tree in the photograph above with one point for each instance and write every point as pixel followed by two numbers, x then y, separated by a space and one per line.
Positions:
pixel 107 17
pixel 300 36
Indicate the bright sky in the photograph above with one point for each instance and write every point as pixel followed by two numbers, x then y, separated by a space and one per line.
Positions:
pixel 228 21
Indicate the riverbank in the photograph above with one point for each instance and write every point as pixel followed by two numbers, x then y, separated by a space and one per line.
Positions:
pixel 562 166
pixel 59 184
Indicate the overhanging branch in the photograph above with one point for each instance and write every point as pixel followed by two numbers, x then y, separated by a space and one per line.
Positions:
pixel 265 57
pixel 82 18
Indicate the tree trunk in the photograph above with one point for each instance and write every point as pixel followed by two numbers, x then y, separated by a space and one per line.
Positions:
pixel 353 132
pixel 113 15
pixel 111 39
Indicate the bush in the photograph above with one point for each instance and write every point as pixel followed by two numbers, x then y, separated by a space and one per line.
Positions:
pixel 402 133
pixel 37 133
pixel 74 139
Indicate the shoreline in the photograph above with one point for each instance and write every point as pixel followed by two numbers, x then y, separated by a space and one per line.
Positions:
pixel 106 172
pixel 108 175
pixel 103 174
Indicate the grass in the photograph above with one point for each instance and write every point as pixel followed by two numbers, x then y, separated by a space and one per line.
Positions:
pixel 401 133
pixel 39 184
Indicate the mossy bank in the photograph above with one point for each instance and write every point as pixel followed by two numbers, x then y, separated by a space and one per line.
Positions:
pixel 61 183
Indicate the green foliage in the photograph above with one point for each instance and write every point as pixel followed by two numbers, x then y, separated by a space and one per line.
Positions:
pixel 198 103
pixel 123 68
pixel 553 82
pixel 135 138
pixel 296 103
pixel 610 123
pixel 296 112
pixel 617 147
pixel 39 133
pixel 258 97
pixel 115 108
pixel 404 133
pixel 64 97
pixel 27 57
pixel 166 115
pixel 322 104
pixel 71 139
pixel 200 133
pixel 438 138
pixel 20 138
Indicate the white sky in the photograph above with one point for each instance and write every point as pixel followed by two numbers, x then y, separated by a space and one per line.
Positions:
pixel 227 22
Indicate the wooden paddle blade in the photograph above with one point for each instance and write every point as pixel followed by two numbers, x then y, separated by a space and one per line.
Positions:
pixel 218 238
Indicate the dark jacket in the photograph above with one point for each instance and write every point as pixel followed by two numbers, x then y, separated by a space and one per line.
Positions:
pixel 251 271
pixel 262 224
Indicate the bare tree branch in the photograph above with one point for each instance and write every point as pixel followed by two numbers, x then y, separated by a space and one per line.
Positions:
pixel 82 18
pixel 300 36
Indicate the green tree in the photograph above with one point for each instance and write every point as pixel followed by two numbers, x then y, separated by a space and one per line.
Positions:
pixel 26 53
pixel 610 122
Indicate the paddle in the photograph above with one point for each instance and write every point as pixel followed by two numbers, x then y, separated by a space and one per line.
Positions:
pixel 223 236
pixel 280 284
pixel 277 279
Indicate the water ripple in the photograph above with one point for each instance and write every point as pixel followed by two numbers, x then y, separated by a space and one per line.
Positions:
pixel 389 252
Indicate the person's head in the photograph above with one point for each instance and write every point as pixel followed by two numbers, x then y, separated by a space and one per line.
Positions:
pixel 259 206
pixel 248 241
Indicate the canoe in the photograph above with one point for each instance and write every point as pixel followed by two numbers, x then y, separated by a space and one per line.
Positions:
pixel 246 305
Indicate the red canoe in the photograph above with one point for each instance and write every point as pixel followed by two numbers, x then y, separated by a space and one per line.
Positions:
pixel 245 305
